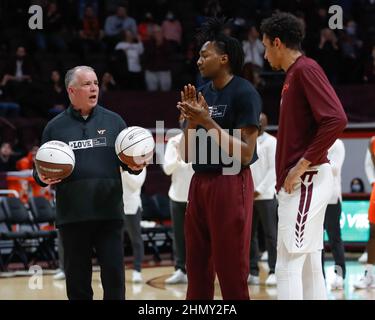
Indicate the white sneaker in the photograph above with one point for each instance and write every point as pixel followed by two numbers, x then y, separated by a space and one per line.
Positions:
pixel 177 277
pixel 59 276
pixel 137 277
pixel 253 280
pixel 364 282
pixel 337 283
pixel 271 280
pixel 363 258
pixel 264 256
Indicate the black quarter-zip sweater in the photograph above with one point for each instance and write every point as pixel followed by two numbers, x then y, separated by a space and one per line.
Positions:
pixel 94 190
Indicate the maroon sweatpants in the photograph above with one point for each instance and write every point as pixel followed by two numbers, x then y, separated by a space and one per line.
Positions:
pixel 217 234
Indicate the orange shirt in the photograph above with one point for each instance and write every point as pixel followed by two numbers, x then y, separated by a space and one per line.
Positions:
pixel 25 163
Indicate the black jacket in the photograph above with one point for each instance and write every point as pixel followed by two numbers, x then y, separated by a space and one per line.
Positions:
pixel 94 190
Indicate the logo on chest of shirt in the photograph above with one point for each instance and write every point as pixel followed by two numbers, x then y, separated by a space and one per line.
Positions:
pixel 284 91
pixel 101 132
pixel 89 143
pixel 217 111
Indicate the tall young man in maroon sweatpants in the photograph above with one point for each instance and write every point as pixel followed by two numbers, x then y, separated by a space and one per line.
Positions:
pixel 219 211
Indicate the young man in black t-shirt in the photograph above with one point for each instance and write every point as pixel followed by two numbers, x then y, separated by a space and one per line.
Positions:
pixel 219 211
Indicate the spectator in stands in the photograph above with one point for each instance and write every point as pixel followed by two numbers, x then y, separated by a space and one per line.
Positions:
pixel 172 30
pixel 156 60
pixel 115 25
pixel 18 69
pixel 51 36
pixel 357 186
pixel 328 54
pixel 17 80
pixel 133 49
pixel 369 75
pixel 26 163
pixel 7 158
pixel 351 47
pixel 253 48
pixel 58 99
pixel 90 34
pixel 254 51
pixel 129 23
pixel 146 27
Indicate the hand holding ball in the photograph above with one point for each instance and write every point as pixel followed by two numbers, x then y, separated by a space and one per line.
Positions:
pixel 54 161
pixel 135 146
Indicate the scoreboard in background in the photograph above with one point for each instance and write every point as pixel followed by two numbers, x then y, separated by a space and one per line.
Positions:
pixel 354 221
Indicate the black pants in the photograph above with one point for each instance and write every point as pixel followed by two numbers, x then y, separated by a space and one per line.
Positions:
pixel 371 245
pixel 134 230
pixel 178 220
pixel 332 226
pixel 265 212
pixel 60 249
pixel 79 240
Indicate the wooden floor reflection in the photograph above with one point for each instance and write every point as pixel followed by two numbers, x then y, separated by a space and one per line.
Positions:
pixel 17 287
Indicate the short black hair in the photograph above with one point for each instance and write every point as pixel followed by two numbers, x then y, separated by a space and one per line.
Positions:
pixel 212 30
pixel 285 26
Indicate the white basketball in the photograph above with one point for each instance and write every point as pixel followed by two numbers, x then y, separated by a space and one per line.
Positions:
pixel 55 160
pixel 135 145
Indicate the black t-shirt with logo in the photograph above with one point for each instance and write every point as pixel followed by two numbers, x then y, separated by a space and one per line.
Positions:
pixel 237 105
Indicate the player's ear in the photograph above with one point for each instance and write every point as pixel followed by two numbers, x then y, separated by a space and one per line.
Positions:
pixel 224 59
pixel 277 43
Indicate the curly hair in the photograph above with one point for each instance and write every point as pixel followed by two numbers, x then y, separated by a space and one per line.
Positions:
pixel 285 26
pixel 212 30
